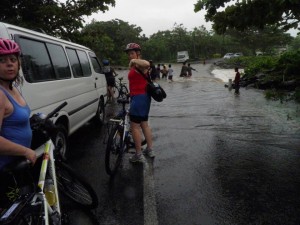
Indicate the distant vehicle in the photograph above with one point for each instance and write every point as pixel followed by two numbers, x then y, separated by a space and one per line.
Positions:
pixel 259 53
pixel 182 56
pixel 228 56
pixel 238 54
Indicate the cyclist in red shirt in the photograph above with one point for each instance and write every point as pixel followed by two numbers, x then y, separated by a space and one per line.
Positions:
pixel 140 102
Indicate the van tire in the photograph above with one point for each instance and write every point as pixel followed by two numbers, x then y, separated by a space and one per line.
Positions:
pixel 62 136
pixel 100 114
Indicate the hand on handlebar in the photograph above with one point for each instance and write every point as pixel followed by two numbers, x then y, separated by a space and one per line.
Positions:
pixel 30 155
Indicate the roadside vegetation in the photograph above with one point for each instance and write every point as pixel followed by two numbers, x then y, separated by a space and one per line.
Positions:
pixel 278 75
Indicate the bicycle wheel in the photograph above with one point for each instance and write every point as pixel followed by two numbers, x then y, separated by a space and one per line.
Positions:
pixel 116 91
pixel 75 187
pixel 114 152
pixel 100 114
pixel 123 92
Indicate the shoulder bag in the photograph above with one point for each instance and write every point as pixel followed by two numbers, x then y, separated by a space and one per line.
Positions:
pixel 154 89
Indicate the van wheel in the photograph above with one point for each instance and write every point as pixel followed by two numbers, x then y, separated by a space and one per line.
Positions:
pixel 100 115
pixel 61 139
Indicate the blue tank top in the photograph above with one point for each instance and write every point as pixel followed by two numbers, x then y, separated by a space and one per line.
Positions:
pixel 16 128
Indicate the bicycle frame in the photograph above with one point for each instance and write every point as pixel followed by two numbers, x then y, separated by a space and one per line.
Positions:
pixel 38 197
pixel 124 122
pixel 48 157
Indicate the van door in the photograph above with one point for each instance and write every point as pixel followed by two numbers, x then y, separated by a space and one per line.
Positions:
pixel 100 81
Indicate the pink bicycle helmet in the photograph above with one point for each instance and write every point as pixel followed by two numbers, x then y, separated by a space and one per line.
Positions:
pixel 9 47
pixel 133 46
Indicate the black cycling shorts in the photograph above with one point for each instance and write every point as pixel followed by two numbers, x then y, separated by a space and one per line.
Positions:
pixel 138 119
pixel 110 82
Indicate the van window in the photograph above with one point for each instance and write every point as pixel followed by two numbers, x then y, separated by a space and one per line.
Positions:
pixel 79 63
pixel 43 61
pixel 76 68
pixel 36 63
pixel 59 60
pixel 96 64
pixel 85 65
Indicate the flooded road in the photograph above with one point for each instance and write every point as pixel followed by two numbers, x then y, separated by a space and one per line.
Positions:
pixel 221 158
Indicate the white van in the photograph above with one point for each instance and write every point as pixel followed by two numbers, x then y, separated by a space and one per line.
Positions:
pixel 182 56
pixel 55 71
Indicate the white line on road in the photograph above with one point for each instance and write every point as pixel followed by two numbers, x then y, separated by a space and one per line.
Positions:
pixel 150 212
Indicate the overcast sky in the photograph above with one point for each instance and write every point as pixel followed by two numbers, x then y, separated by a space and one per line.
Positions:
pixel 155 15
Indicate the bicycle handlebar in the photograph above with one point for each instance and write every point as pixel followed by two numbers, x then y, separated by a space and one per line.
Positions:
pixel 43 127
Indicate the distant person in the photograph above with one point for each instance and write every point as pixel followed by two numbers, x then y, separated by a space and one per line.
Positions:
pixel 184 70
pixel 158 71
pixel 237 81
pixel 189 70
pixel 110 74
pixel 164 72
pixel 152 71
pixel 170 73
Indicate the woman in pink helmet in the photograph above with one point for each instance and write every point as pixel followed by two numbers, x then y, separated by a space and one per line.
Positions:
pixel 15 131
pixel 140 102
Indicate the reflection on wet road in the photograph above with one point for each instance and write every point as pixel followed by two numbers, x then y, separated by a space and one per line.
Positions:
pixel 223 159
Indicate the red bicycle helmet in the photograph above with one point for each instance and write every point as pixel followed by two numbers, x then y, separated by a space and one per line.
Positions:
pixel 9 47
pixel 133 46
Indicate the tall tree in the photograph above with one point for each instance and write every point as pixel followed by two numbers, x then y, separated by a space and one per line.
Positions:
pixel 59 18
pixel 250 13
pixel 264 40
pixel 108 39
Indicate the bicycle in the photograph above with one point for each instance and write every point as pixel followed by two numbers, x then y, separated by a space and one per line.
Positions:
pixel 119 139
pixel 41 204
pixel 120 90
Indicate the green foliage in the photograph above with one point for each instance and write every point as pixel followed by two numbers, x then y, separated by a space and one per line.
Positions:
pixel 273 94
pixel 289 65
pixel 263 39
pixel 240 14
pixel 295 44
pixel 108 39
pixel 253 65
pixel 297 95
pixel 58 18
pixel 216 55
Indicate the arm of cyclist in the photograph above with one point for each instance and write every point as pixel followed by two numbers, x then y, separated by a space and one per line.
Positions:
pixel 10 148
pixel 114 72
pixel 141 64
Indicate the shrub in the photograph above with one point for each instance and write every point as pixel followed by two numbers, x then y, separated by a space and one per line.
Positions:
pixel 273 94
pixel 216 55
pixel 297 95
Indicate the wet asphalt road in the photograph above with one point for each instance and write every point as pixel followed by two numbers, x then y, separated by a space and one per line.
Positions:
pixel 220 159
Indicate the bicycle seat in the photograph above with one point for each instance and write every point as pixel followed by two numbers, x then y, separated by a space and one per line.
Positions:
pixel 123 101
pixel 120 78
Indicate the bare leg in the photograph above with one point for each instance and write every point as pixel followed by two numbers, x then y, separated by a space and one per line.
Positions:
pixel 147 133
pixel 111 92
pixel 136 135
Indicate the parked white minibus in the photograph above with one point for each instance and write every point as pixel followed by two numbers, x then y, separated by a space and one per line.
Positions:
pixel 55 71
